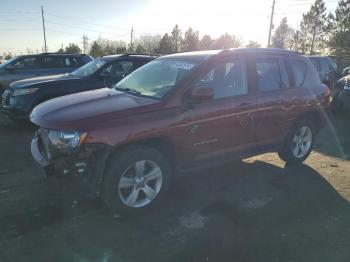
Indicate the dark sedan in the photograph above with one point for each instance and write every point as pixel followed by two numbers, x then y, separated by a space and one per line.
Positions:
pixel 22 96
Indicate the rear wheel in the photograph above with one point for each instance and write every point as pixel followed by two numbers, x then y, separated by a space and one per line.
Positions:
pixel 136 180
pixel 298 144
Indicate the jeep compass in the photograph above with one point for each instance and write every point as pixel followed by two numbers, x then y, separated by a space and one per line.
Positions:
pixel 177 113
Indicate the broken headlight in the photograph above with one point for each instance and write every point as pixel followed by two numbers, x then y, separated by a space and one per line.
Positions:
pixel 66 141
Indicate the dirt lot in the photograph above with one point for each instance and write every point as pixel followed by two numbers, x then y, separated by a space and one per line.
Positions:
pixel 252 210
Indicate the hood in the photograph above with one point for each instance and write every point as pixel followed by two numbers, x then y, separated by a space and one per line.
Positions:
pixel 84 111
pixel 42 80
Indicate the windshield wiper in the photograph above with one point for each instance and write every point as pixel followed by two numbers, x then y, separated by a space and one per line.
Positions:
pixel 129 90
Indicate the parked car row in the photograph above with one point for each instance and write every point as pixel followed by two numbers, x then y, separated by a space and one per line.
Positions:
pixel 22 96
pixel 326 69
pixel 341 97
pixel 28 66
pixel 125 144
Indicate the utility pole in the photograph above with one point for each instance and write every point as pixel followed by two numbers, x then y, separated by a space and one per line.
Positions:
pixel 131 38
pixel 85 43
pixel 271 22
pixel 42 17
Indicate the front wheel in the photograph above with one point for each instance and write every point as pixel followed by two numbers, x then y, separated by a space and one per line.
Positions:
pixel 298 144
pixel 136 180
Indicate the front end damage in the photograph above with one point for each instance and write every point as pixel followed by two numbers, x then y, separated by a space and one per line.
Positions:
pixel 82 169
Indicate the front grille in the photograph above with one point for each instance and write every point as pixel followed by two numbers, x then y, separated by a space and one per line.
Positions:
pixel 5 98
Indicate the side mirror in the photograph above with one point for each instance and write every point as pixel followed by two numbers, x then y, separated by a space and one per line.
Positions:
pixel 199 94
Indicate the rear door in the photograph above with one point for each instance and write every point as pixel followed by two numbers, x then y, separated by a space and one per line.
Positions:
pixel 219 128
pixel 55 65
pixel 272 82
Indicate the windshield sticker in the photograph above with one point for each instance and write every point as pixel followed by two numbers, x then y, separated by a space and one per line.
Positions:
pixel 181 65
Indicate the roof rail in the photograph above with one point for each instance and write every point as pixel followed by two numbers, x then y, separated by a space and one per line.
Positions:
pixel 149 54
pixel 59 53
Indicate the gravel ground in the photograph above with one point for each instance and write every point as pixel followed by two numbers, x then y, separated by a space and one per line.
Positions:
pixel 251 210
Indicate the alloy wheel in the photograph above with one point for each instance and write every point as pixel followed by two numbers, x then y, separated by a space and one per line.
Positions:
pixel 140 183
pixel 302 141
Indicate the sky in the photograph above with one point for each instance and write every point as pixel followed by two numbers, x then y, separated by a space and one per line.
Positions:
pixel 67 20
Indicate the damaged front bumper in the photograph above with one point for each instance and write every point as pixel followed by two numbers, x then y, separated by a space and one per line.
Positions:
pixel 83 169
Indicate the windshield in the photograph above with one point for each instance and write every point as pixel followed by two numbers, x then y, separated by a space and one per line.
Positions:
pixel 89 68
pixel 7 62
pixel 156 78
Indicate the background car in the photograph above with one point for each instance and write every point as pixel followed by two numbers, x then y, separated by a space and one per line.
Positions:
pixel 341 98
pixel 28 66
pixel 326 69
pixel 22 96
pixel 346 71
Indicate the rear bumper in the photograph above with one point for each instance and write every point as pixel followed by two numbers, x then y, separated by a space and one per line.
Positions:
pixel 82 170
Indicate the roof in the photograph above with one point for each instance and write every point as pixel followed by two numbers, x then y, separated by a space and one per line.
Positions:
pixel 208 53
pixel 52 54
pixel 317 56
pixel 117 56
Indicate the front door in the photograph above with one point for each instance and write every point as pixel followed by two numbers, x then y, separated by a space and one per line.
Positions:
pixel 23 68
pixel 219 128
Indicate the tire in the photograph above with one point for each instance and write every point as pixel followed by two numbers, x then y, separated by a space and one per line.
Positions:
pixel 298 143
pixel 136 180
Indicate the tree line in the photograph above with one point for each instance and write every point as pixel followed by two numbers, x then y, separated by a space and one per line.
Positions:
pixel 174 42
pixel 319 32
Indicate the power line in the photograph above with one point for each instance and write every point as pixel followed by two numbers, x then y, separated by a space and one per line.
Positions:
pixel 82 28
pixel 15 20
pixel 19 29
pixel 87 22
pixel 63 32
pixel 18 12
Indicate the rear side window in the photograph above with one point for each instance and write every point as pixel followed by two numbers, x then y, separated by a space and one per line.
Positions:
pixel 268 72
pixel 299 71
pixel 53 62
pixel 71 62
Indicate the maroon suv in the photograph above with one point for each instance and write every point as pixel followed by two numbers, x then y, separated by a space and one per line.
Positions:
pixel 177 113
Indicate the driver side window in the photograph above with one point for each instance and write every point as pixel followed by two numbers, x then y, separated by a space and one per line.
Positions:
pixel 227 78
pixel 119 69
pixel 27 63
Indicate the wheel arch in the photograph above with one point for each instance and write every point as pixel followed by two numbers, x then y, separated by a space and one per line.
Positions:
pixel 161 144
pixel 315 116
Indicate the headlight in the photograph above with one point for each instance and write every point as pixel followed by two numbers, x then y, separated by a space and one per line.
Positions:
pixel 22 92
pixel 66 141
